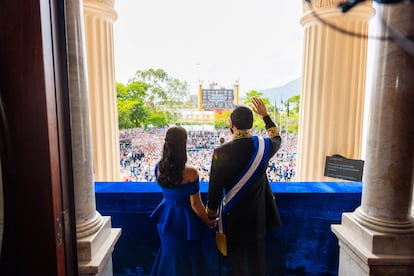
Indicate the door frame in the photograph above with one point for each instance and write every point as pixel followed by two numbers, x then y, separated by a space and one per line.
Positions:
pixel 39 213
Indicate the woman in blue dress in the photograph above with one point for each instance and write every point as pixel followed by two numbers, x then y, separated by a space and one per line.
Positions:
pixel 181 218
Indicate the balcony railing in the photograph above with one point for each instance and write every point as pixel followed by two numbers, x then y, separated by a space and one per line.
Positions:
pixel 304 245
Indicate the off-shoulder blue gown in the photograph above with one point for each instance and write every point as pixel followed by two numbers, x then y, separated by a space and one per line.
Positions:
pixel 181 232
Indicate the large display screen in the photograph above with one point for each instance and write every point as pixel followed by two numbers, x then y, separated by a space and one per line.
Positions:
pixel 213 99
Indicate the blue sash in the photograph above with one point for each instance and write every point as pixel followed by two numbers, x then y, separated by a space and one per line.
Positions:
pixel 258 161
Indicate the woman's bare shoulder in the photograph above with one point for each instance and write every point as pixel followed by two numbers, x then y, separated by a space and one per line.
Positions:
pixel 190 174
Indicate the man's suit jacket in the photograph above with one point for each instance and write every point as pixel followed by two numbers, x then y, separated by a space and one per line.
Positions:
pixel 252 216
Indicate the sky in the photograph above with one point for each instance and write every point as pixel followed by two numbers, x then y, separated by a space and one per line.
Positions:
pixel 255 43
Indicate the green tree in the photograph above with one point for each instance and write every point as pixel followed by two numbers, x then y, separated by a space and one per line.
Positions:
pixel 177 91
pixel 156 80
pixel 288 115
pixel 162 88
pixel 292 113
pixel 136 90
pixel 157 119
pixel 131 114
pixel 132 111
pixel 294 104
pixel 258 122
pixel 141 100
pixel 250 95
pixel 124 118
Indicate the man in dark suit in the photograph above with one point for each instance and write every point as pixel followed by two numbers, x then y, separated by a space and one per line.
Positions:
pixel 249 209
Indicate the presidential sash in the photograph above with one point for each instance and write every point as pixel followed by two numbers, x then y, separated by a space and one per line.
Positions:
pixel 241 184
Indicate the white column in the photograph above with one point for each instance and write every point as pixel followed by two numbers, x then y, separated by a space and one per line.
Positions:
pixel 95 237
pixel 99 17
pixel 333 87
pixel 378 237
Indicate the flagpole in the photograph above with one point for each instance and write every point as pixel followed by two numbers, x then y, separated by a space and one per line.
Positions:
pixel 287 118
pixel 280 111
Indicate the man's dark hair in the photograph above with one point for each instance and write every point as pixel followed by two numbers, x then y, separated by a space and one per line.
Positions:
pixel 242 117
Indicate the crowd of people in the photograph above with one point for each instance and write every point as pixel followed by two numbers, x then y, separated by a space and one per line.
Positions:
pixel 141 149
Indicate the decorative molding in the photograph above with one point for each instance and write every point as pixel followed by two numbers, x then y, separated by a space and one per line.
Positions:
pixel 100 8
pixel 308 6
pixel 105 2
pixel 383 225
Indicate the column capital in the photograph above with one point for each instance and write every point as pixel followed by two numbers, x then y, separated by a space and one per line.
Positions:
pixel 100 8
pixel 109 3
pixel 317 4
pixel 332 14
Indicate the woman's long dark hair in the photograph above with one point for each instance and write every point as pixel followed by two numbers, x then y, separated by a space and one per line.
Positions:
pixel 174 157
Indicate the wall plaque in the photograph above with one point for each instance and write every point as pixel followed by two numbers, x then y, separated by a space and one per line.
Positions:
pixel 338 166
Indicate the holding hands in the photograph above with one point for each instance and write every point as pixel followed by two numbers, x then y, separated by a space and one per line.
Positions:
pixel 212 223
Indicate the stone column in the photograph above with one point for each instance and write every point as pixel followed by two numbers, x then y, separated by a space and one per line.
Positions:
pixel 95 237
pixel 378 237
pixel 99 17
pixel 333 86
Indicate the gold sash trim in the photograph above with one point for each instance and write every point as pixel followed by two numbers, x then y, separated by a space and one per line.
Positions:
pixel 241 133
pixel 272 132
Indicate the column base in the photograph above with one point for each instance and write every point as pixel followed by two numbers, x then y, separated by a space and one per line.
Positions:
pixel 367 252
pixel 95 251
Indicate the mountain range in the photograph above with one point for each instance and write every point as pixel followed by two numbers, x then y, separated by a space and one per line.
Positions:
pixel 282 93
